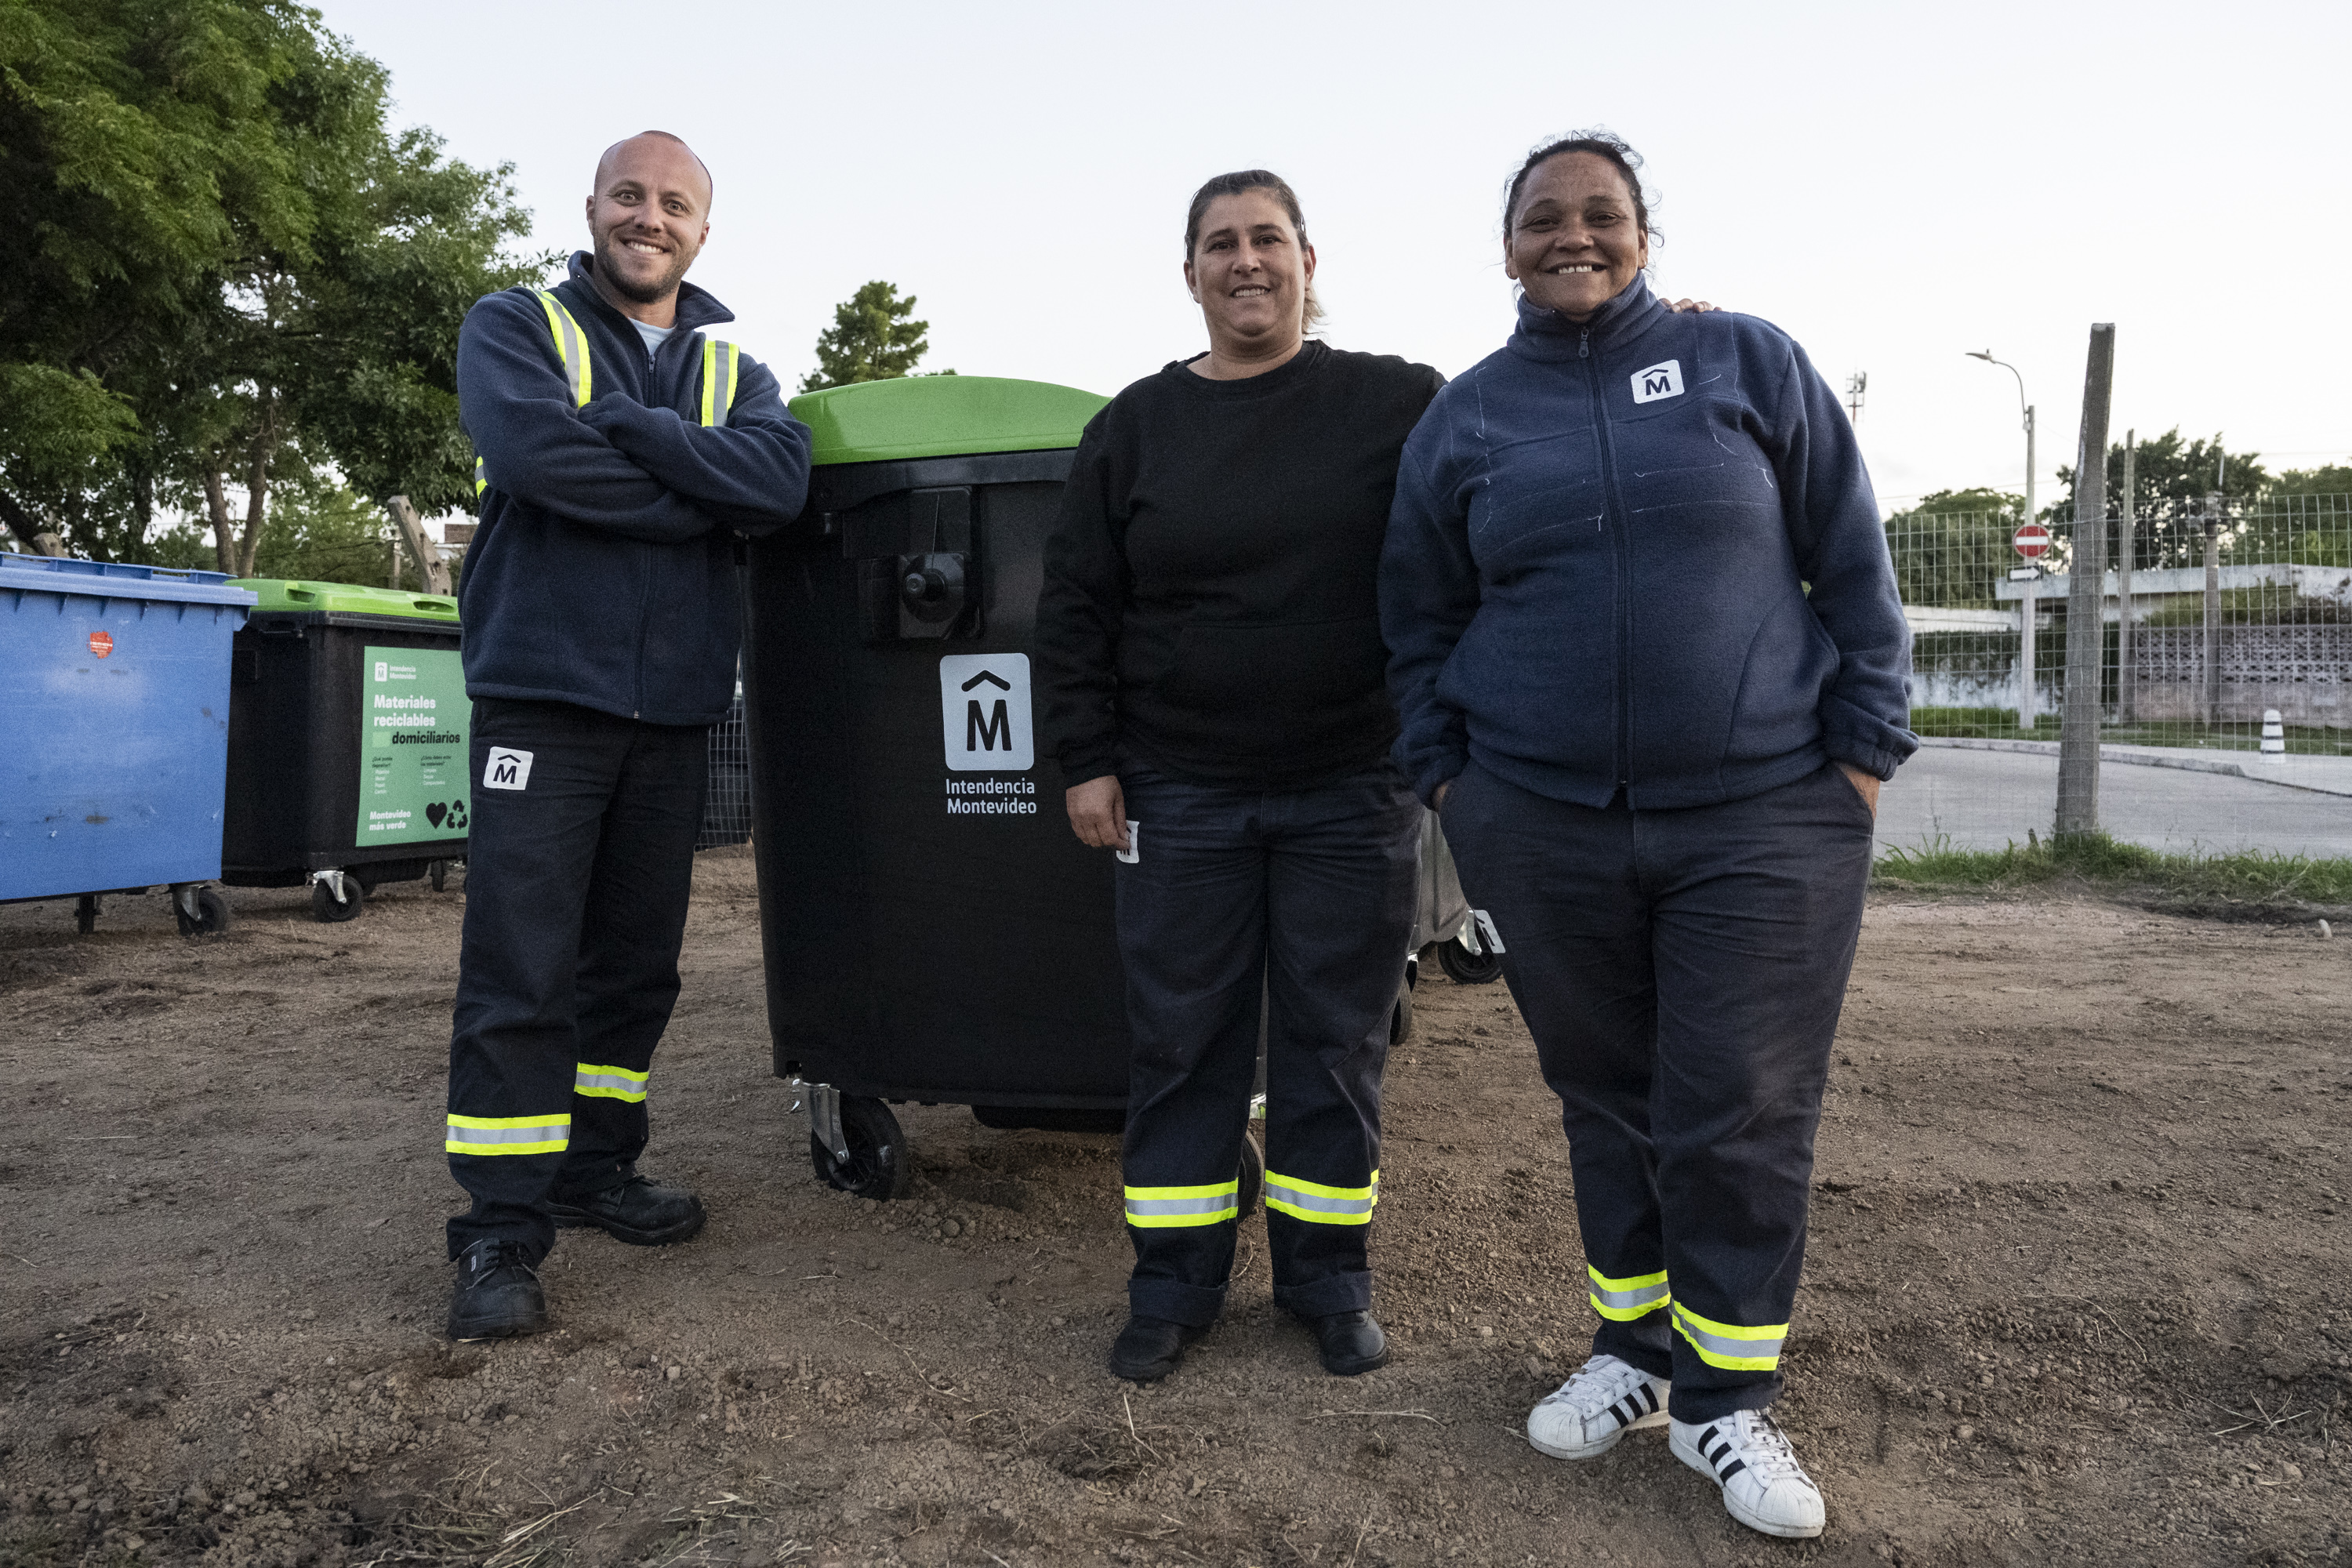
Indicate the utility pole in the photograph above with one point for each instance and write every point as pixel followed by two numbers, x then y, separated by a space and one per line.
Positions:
pixel 2213 594
pixel 2078 725
pixel 1854 385
pixel 2127 546
pixel 2025 703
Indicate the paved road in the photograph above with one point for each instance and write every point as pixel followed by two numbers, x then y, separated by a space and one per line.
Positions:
pixel 1983 800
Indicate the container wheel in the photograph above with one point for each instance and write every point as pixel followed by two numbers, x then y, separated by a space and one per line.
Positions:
pixel 335 911
pixel 1465 967
pixel 1252 1176
pixel 212 914
pixel 440 875
pixel 86 913
pixel 1400 1015
pixel 878 1166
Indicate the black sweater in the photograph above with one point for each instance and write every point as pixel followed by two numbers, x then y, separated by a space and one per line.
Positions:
pixel 1211 587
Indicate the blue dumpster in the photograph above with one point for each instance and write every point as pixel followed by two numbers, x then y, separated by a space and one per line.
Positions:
pixel 114 731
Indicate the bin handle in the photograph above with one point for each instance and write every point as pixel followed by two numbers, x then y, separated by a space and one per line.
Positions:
pixel 433 606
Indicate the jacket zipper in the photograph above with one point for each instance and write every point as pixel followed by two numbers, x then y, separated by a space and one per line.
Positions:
pixel 648 554
pixel 1622 573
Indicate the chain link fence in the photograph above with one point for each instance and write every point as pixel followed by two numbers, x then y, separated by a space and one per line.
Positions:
pixel 2225 650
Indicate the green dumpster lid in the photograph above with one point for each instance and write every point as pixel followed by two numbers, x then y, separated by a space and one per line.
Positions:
pixel 282 594
pixel 941 416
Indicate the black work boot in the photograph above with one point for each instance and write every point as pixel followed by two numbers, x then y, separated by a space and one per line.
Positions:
pixel 1351 1343
pixel 498 1293
pixel 1148 1348
pixel 640 1211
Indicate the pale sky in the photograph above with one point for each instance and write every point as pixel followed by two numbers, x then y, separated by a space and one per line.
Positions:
pixel 1890 185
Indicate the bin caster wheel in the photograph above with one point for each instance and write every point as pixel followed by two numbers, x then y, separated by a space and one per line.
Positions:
pixel 212 914
pixel 1465 967
pixel 1253 1177
pixel 877 1166
pixel 335 911
pixel 440 875
pixel 86 913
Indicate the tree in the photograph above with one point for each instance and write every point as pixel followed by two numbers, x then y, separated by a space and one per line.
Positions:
pixel 2170 479
pixel 133 137
pixel 1952 547
pixel 2335 479
pixel 287 308
pixel 872 339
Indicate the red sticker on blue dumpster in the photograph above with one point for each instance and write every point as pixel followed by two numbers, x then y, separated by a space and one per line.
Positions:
pixel 100 644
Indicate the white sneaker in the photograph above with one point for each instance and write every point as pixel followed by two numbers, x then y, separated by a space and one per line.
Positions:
pixel 1585 1416
pixel 1764 1487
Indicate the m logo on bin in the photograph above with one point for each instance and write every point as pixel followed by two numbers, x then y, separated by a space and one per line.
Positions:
pixel 984 712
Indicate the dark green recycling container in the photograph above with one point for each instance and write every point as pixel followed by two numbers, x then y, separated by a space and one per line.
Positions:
pixel 933 930
pixel 347 741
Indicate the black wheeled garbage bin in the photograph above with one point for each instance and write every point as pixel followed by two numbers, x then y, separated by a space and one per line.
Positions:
pixel 934 932
pixel 347 742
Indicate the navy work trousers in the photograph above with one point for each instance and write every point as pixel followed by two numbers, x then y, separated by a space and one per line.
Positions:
pixel 1682 973
pixel 1306 898
pixel 579 862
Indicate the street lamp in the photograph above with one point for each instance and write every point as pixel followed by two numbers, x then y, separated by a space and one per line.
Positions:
pixel 2025 643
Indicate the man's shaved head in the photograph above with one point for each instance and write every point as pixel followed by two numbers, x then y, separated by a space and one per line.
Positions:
pixel 647 219
pixel 612 155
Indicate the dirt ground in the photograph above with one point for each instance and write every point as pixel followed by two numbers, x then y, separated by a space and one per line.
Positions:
pixel 2077 1290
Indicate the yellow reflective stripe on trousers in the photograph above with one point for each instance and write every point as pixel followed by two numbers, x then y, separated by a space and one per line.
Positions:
pixel 718 367
pixel 1622 1301
pixel 570 347
pixel 1164 1208
pixel 608 1083
pixel 509 1134
pixel 1729 1346
pixel 1319 1205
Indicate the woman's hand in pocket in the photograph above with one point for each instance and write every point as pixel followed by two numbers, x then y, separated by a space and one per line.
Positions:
pixel 1865 784
pixel 1098 813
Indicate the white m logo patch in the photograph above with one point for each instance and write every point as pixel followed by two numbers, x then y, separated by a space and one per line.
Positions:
pixel 506 769
pixel 1664 379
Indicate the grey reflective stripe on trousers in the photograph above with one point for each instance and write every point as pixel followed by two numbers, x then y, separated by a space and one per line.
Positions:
pixel 489 1137
pixel 1280 1191
pixel 1216 1203
pixel 583 1081
pixel 1627 1300
pixel 1722 1345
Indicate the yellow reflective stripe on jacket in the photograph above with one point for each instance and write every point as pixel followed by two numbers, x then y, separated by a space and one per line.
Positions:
pixel 1164 1208
pixel 1729 1346
pixel 509 1134
pixel 480 483
pixel 608 1083
pixel 718 367
pixel 570 347
pixel 1622 1301
pixel 1319 1205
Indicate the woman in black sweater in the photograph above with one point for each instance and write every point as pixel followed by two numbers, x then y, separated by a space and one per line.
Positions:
pixel 1210 663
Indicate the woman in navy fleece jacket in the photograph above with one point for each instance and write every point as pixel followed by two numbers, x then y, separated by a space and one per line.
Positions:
pixel 1650 662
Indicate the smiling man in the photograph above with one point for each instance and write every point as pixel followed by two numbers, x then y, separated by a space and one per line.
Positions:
pixel 621 452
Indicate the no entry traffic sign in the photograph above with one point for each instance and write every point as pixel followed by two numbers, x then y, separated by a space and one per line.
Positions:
pixel 2032 541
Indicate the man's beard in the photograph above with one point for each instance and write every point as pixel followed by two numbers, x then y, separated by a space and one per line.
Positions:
pixel 608 264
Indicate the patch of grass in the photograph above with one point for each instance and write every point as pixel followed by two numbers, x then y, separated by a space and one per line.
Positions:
pixel 2251 877
pixel 2001 724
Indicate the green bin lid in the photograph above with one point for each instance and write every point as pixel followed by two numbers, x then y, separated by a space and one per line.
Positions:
pixel 941 416
pixel 285 594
